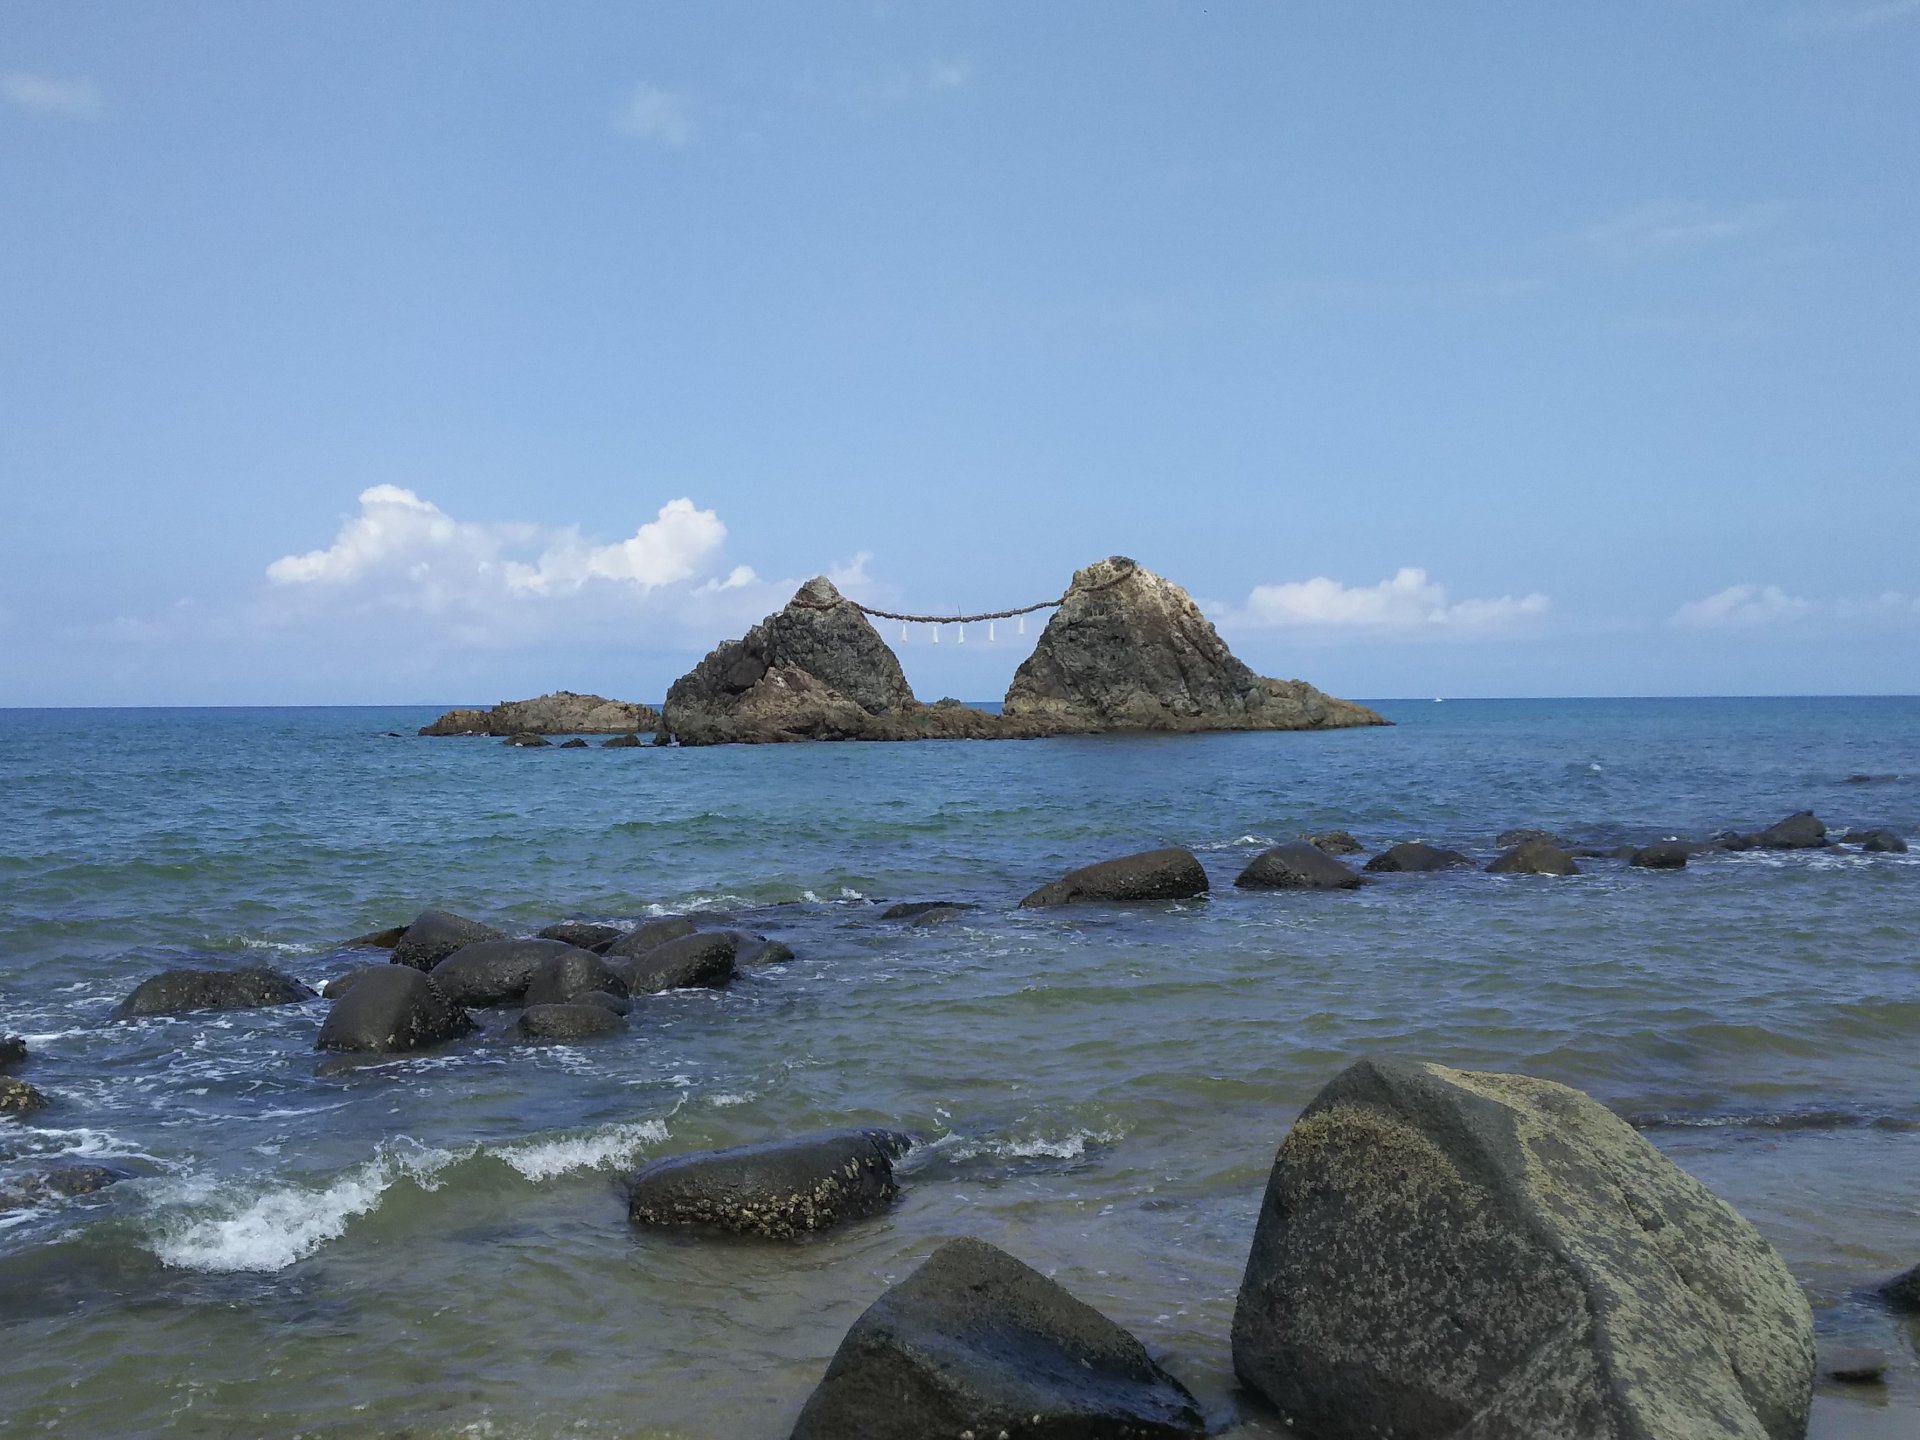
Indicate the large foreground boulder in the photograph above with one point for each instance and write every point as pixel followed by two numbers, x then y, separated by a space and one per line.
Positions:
pixel 561 713
pixel 1170 874
pixel 390 1009
pixel 435 935
pixel 976 1343
pixel 1128 650
pixel 497 972
pixel 174 992
pixel 692 962
pixel 780 1189
pixel 1299 865
pixel 1442 1253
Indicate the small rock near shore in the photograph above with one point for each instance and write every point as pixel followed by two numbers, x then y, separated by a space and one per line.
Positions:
pixel 1534 857
pixel 1170 874
pixel 914 909
pixel 435 935
pixel 622 742
pixel 1801 830
pixel 780 1189
pixel 1299 865
pixel 1416 857
pixel 391 1010
pixel 175 992
pixel 752 949
pixel 558 1024
pixel 1854 1365
pixel 975 1343
pixel 527 740
pixel 694 961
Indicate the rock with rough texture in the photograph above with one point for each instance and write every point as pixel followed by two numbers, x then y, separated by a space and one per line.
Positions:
pixel 175 992
pixel 974 1343
pixel 1128 650
pixel 1170 874
pixel 340 984
pixel 1534 857
pixel 497 972
pixel 911 910
pixel 779 1189
pixel 435 935
pixel 1442 1253
pixel 623 742
pixel 1297 866
pixel 1508 839
pixel 391 1010
pixel 692 962
pixel 583 933
pixel 13 1053
pixel 1336 842
pixel 1661 855
pixel 561 713
pixel 1415 857
pixel 1802 830
pixel 560 1024
pixel 569 974
pixel 650 935
pixel 17 1097
pixel 1876 842
pixel 1902 1292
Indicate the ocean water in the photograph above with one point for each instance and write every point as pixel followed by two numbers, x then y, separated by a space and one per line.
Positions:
pixel 439 1245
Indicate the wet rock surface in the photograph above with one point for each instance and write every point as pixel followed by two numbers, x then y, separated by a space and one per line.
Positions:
pixel 340 984
pixel 1662 855
pixel 1802 830
pixel 583 933
pixel 566 975
pixel 1169 874
pixel 1534 857
pixel 1415 857
pixel 559 1024
pixel 392 1009
pixel 497 972
pixel 527 740
pixel 436 934
pixel 976 1343
pixel 1445 1253
pixel 17 1097
pixel 1878 841
pixel 650 935
pixel 1297 866
pixel 175 992
pixel 1902 1292
pixel 1335 842
pixel 13 1053
pixel 705 959
pixel 563 712
pixel 780 1189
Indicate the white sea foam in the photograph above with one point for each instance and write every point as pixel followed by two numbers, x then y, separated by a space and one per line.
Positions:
pixel 615 1145
pixel 1070 1146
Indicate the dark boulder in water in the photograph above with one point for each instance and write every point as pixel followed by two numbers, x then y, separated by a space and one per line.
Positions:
pixel 975 1343
pixel 558 1024
pixel 1902 1292
pixel 1415 856
pixel 1170 874
pixel 1802 830
pixel 564 712
pixel 17 1097
pixel 753 949
pixel 574 744
pixel 1662 855
pixel 566 975
pixel 64 1182
pixel 527 740
pixel 914 909
pixel 377 940
pixel 391 1010
pixel 606 999
pixel 13 1053
pixel 436 934
pixel 1335 842
pixel 340 984
pixel 780 1189
pixel 497 972
pixel 582 933
pixel 175 992
pixel 623 742
pixel 650 935
pixel 1508 839
pixel 704 960
pixel 1297 866
pixel 1442 1253
pixel 1879 841
pixel 1534 857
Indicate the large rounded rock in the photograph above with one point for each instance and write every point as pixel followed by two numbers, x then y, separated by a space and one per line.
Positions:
pixel 1662 855
pixel 1534 857
pixel 175 992
pixel 976 1343
pixel 394 1008
pixel 691 962
pixel 497 972
pixel 1878 841
pixel 1802 830
pixel 566 976
pixel 1300 865
pixel 649 935
pixel 435 935
pixel 1446 1254
pixel 583 933
pixel 1335 842
pixel 562 1024
pixel 13 1053
pixel 17 1097
pixel 340 984
pixel 1416 856
pixel 1170 874
pixel 779 1189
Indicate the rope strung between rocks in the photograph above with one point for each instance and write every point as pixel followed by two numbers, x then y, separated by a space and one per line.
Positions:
pixel 967 619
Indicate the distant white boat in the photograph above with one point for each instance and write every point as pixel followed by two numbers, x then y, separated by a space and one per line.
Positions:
pixel 1438 701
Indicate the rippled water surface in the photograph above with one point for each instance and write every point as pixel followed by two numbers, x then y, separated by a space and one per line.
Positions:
pixel 439 1244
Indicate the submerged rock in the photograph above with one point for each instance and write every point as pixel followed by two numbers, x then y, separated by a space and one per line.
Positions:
pixel 574 744
pixel 435 935
pixel 1662 855
pixel 583 933
pixel 1443 1253
pixel 1879 841
pixel 570 973
pixel 752 949
pixel 974 1343
pixel 558 1024
pixel 1169 874
pixel 174 992
pixel 1853 1365
pixel 1128 650
pixel 13 1053
pixel 563 712
pixel 1297 866
pixel 497 972
pixel 1416 856
pixel 393 1009
pixel 377 940
pixel 704 960
pixel 1335 842
pixel 914 909
pixel 527 740
pixel 779 1189
pixel 17 1097
pixel 1902 1292
pixel 623 742
pixel 1534 857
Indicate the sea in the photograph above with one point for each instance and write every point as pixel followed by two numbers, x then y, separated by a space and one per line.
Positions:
pixel 439 1246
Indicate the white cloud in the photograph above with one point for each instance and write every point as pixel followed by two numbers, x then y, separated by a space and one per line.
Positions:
pixel 661 116
pixel 1746 607
pixel 1673 228
pixel 75 99
pixel 673 546
pixel 1409 603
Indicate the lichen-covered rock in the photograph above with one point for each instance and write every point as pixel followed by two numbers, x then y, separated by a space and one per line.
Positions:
pixel 1415 857
pixel 1296 866
pixel 563 712
pixel 563 1023
pixel 1169 874
pixel 1128 650
pixel 498 972
pixel 974 1343
pixel 391 1009
pixel 17 1097
pixel 1534 857
pixel 435 935
pixel 779 1189
pixel 570 973
pixel 175 992
pixel 1448 1254
pixel 694 961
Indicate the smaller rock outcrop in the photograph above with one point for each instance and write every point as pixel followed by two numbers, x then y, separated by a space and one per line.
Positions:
pixel 1415 857
pixel 1879 841
pixel 1335 842
pixel 1662 855
pixel 527 740
pixel 1538 856
pixel 561 713
pixel 569 974
pixel 1169 874
pixel 175 992
pixel 435 935
pixel 780 1189
pixel 703 960
pixel 17 1097
pixel 562 1024
pixel 1802 830
pixel 975 1343
pixel 1297 866
pixel 392 1009
pixel 623 742
pixel 497 972
pixel 583 933
pixel 13 1053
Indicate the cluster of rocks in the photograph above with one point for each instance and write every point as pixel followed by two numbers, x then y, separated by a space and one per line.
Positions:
pixel 562 713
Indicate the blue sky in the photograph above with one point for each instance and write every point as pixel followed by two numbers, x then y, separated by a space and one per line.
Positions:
pixel 444 352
